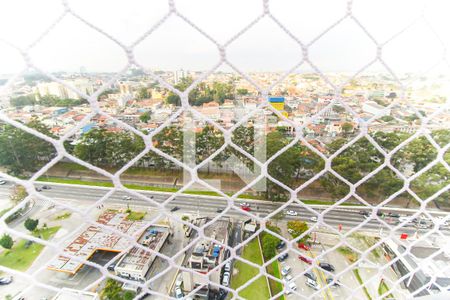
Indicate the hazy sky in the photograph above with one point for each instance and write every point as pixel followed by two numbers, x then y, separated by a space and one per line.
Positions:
pixel 265 47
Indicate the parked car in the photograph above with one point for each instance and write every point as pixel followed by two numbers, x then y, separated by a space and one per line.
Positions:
pixel 2 182
pixel 291 213
pixel 291 286
pixel 179 280
pixel 326 266
pixel 305 259
pixel 227 267
pixel 283 257
pixel 286 270
pixel 281 245
pixel 335 283
pixel 311 276
pixel 111 267
pixel 226 279
pixel 178 293
pixel 175 208
pixel 288 278
pixel 6 280
pixel 312 283
pixel 303 246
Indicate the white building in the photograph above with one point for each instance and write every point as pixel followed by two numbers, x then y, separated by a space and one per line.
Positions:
pixel 71 294
pixel 63 92
pixel 375 109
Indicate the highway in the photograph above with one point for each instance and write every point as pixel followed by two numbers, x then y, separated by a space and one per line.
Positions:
pixel 83 196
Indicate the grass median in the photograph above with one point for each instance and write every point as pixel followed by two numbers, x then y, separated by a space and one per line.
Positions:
pixel 258 289
pixel 23 253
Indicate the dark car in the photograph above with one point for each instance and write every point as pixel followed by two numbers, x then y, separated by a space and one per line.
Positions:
pixel 219 210
pixel 283 257
pixel 111 267
pixel 5 280
pixel 175 208
pixel 281 245
pixel 336 282
pixel 311 275
pixel 393 215
pixel 326 266
pixel 38 189
pixel 46 187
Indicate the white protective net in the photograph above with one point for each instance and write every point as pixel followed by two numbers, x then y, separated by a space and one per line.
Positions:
pixel 369 258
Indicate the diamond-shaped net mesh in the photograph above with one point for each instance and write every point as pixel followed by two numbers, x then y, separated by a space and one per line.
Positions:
pixel 225 252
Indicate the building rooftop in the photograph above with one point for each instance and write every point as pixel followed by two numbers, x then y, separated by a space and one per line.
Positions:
pixel 92 238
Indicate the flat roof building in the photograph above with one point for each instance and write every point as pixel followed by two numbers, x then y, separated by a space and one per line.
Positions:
pixel 71 294
pixel 136 262
pixel 205 256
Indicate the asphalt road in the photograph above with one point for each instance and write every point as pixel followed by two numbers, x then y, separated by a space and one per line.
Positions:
pixel 348 217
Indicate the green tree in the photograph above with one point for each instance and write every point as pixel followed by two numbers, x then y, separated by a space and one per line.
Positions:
pixel 113 291
pixel 298 228
pixel 347 127
pixel 143 93
pixel 145 117
pixel 22 152
pixel 31 224
pixel 269 244
pixel 242 92
pixel 207 142
pixel 6 241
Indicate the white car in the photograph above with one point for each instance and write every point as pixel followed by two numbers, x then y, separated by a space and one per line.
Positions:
pixel 313 219
pixel 228 267
pixel 290 287
pixel 312 283
pixel 288 278
pixel 179 281
pixel 126 198
pixel 178 293
pixel 244 204
pixel 2 182
pixel 286 270
pixel 226 279
pixel 291 213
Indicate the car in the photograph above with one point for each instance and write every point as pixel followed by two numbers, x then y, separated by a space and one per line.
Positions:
pixel 46 187
pixel 2 182
pixel 6 280
pixel 38 189
pixel 286 270
pixel 405 219
pixel 291 286
pixel 111 266
pixel 310 275
pixel 288 278
pixel 126 197
pixel 283 257
pixel 313 219
pixel 364 213
pixel 179 280
pixel 178 293
pixel 291 213
pixel 226 279
pixel 303 246
pixel 227 267
pixel 280 245
pixel 244 204
pixel 312 283
pixel 333 282
pixel 393 215
pixel 423 225
pixel 219 210
pixel 327 267
pixel 305 259
pixel 246 208
pixel 175 208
